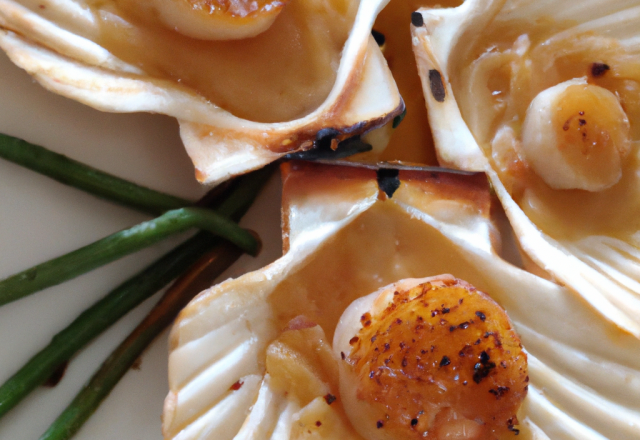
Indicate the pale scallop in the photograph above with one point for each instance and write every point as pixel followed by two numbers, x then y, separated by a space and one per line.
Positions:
pixel 240 103
pixel 496 76
pixel 250 358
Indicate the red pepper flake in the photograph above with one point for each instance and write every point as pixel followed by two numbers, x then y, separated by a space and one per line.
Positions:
pixel 329 398
pixel 236 386
pixel 318 423
pixel 342 355
pixel 354 340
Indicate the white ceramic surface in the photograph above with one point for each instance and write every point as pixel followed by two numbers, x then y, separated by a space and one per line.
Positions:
pixel 40 219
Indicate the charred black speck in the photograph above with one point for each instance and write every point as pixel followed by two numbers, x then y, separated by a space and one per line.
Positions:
pixel 445 361
pixel 499 392
pixel 388 180
pixel 329 398
pixel 437 85
pixel 514 430
pixel 414 422
pixel 481 315
pixel 481 370
pixel 379 424
pixel 599 69
pixel 379 37
pixel 416 19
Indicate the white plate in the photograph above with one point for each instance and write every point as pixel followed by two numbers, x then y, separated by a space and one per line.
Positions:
pixel 41 219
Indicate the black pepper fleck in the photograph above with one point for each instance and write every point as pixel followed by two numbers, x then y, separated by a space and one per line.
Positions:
pixel 379 424
pixel 445 361
pixel 481 315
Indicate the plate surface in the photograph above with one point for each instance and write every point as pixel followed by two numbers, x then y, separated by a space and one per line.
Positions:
pixel 41 219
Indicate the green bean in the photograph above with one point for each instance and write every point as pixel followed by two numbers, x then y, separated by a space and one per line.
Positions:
pixel 122 299
pixel 122 358
pixel 86 178
pixel 118 245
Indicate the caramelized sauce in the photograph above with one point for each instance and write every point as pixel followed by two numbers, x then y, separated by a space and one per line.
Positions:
pixel 563 214
pixel 386 245
pixel 282 74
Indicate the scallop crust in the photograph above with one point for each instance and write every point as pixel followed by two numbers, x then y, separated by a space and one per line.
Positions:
pixel 221 145
pixel 584 371
pixel 604 270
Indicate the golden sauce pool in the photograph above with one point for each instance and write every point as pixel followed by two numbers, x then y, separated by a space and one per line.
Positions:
pixel 565 214
pixel 411 141
pixel 386 245
pixel 282 74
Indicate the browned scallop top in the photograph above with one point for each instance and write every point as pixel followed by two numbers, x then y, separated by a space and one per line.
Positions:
pixel 437 353
pixel 239 8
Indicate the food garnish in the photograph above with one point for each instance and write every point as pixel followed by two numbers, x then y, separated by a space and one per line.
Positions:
pixel 231 203
pixel 192 282
pixel 78 175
